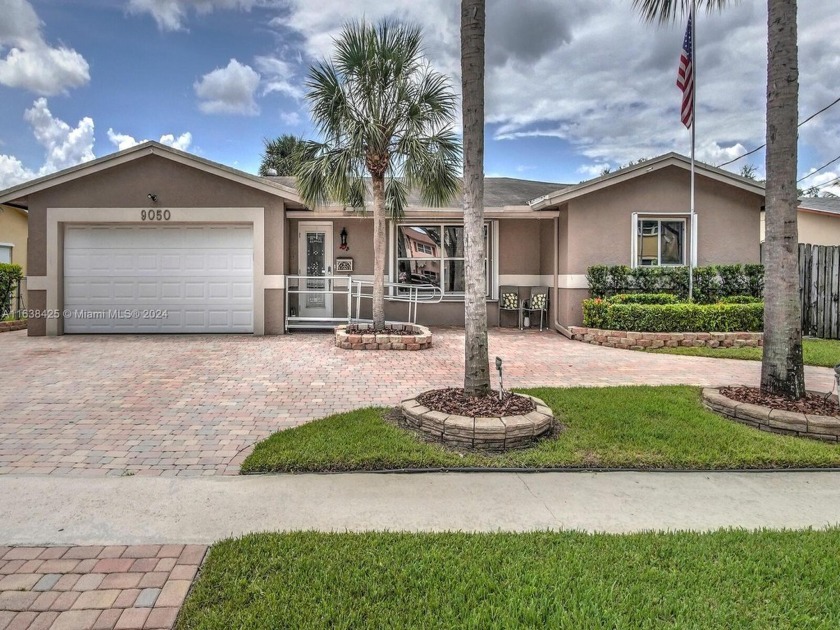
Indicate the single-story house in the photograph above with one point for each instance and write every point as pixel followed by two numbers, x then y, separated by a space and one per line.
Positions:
pixel 155 240
pixel 13 231
pixel 817 220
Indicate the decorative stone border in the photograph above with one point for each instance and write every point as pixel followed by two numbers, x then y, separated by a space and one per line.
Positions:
pixel 421 339
pixel 15 324
pixel 490 434
pixel 826 428
pixel 629 340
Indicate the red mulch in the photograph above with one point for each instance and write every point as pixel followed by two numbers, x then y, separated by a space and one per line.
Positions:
pixel 453 400
pixel 355 329
pixel 813 404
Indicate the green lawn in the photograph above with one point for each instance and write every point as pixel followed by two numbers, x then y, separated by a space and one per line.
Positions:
pixel 822 352
pixel 633 427
pixel 727 579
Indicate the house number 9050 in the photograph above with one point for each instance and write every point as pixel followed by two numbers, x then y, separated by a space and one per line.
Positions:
pixel 155 215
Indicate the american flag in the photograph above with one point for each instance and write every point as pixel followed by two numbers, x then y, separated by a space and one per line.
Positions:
pixel 685 77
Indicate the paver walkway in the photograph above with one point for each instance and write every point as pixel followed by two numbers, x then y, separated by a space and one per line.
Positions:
pixel 72 588
pixel 192 405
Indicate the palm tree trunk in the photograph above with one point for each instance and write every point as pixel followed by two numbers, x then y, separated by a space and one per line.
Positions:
pixel 476 360
pixel 781 366
pixel 379 251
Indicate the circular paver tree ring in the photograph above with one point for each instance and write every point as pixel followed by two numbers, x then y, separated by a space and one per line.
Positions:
pixel 490 434
pixel 395 337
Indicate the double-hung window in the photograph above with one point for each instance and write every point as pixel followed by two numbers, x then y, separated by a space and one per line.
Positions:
pixel 661 242
pixel 433 254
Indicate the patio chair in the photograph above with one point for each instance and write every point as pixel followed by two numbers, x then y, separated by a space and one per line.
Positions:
pixel 537 303
pixel 509 301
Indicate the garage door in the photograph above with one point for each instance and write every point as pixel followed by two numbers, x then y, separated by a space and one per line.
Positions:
pixel 158 279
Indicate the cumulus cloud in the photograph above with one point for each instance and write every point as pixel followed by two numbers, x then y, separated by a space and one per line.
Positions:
pixel 124 141
pixel 597 77
pixel 65 146
pixel 228 90
pixel 278 76
pixel 171 15
pixel 27 61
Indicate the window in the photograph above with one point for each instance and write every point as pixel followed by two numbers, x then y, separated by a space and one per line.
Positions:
pixel 434 254
pixel 660 242
pixel 5 253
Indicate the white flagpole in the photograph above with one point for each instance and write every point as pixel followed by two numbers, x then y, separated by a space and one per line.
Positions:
pixel 692 254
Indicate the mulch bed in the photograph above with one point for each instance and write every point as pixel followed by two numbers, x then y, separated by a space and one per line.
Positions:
pixel 453 400
pixel 813 404
pixel 355 329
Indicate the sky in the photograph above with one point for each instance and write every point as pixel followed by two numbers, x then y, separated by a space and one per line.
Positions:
pixel 572 86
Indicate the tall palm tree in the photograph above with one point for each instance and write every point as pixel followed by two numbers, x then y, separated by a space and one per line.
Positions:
pixel 476 358
pixel 782 370
pixel 281 155
pixel 383 113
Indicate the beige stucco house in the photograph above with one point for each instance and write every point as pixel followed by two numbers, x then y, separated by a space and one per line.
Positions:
pixel 13 233
pixel 155 240
pixel 817 220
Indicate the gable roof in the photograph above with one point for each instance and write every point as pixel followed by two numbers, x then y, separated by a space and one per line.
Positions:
pixel 643 168
pixel 822 205
pixel 499 192
pixel 141 150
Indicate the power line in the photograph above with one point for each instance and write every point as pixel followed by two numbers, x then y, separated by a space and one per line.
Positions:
pixel 833 181
pixel 818 170
pixel 811 117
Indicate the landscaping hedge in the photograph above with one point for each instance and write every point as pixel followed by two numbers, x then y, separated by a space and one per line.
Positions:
pixel 644 298
pixel 10 277
pixel 710 283
pixel 685 317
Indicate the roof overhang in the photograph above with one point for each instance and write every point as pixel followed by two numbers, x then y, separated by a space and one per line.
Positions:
pixel 637 170
pixel 141 150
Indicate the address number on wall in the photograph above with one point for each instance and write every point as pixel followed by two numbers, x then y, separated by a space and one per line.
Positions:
pixel 155 215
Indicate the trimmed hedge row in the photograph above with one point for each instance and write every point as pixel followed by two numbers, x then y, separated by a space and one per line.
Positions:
pixel 684 317
pixel 10 277
pixel 644 298
pixel 710 283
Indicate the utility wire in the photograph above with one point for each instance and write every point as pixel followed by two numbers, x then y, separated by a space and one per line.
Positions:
pixel 811 117
pixel 818 170
pixel 833 181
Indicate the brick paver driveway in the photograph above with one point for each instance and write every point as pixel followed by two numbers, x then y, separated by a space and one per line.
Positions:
pixel 193 405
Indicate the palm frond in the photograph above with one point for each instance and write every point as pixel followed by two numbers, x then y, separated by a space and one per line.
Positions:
pixel 665 11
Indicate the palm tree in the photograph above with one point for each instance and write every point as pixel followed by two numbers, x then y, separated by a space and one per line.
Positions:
pixel 476 358
pixel 782 370
pixel 383 113
pixel 281 155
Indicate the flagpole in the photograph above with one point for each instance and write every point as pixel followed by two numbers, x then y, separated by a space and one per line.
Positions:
pixel 692 223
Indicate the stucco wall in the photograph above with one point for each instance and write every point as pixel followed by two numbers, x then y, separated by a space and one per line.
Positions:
pixel 814 228
pixel 13 229
pixel 599 229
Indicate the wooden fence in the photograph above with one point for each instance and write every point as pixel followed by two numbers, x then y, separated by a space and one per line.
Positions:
pixel 819 289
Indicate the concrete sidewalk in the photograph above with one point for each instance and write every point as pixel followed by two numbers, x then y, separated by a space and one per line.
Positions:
pixel 36 510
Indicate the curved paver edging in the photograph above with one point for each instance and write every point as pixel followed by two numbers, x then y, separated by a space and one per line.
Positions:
pixel 490 434
pixel 631 340
pixel 825 428
pixel 421 339
pixel 14 324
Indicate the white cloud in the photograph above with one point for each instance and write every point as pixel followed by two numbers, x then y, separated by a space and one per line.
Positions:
pixel 290 118
pixel 124 141
pixel 228 90
pixel 65 146
pixel 30 62
pixel 821 179
pixel 599 78
pixel 171 15
pixel 278 76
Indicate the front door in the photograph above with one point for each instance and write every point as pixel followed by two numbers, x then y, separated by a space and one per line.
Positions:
pixel 315 260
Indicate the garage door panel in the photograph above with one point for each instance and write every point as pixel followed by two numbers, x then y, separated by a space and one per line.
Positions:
pixel 201 277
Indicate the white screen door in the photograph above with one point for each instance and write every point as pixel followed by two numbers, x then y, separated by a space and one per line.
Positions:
pixel 315 260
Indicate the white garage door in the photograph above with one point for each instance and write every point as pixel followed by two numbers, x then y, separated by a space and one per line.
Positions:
pixel 158 279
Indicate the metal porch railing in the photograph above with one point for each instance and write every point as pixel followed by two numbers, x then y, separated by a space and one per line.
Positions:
pixel 353 291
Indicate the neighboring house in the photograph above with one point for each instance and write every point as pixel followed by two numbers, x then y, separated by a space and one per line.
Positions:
pixel 13 233
pixel 156 229
pixel 818 221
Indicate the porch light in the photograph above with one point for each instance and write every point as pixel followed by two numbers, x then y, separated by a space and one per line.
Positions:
pixel 343 236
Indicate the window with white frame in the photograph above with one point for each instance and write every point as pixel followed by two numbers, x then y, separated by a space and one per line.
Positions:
pixel 5 253
pixel 660 242
pixel 433 254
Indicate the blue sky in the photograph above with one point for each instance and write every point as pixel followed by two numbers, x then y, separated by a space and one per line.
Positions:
pixel 572 86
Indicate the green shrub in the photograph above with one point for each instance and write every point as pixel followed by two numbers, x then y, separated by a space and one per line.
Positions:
pixel 682 317
pixel 644 298
pixel 597 276
pixel 740 299
pixel 10 277
pixel 754 280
